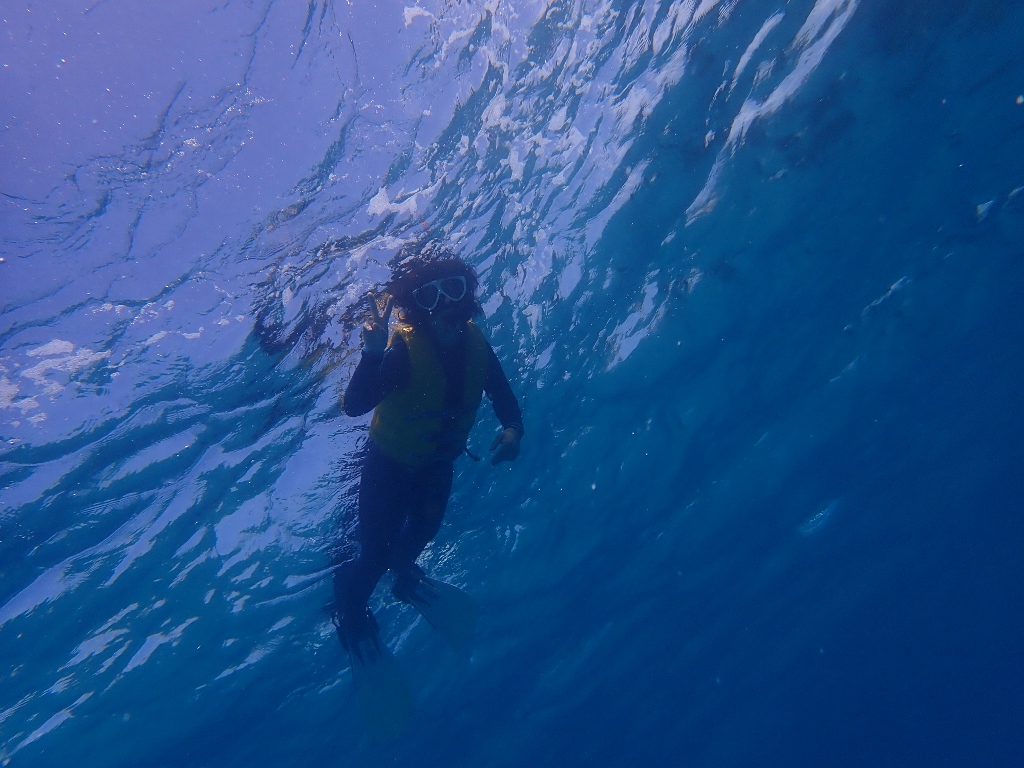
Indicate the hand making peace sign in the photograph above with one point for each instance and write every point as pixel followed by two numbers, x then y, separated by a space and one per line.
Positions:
pixel 375 330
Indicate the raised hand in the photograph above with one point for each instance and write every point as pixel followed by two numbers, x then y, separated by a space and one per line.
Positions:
pixel 375 330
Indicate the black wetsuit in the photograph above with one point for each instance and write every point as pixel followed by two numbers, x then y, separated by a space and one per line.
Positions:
pixel 401 508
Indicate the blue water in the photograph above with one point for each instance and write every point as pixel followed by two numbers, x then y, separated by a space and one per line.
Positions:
pixel 754 268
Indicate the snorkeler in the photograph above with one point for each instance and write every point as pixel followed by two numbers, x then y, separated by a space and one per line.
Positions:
pixel 424 387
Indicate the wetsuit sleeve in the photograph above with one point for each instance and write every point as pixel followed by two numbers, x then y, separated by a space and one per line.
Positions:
pixel 376 377
pixel 496 385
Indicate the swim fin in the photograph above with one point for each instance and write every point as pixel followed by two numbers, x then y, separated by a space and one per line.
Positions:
pixel 381 689
pixel 448 609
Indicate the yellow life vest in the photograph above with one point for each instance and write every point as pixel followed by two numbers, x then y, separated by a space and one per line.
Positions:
pixel 411 425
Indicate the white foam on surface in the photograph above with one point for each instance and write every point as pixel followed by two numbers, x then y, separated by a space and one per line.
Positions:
pixel 815 39
pixel 153 642
pixel 416 12
pixel 759 38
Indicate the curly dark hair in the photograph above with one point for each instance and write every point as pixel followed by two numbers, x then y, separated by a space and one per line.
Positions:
pixel 419 263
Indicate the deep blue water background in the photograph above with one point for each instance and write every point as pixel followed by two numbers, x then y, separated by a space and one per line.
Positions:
pixel 764 322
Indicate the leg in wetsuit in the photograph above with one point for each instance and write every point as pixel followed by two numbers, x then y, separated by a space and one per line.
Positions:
pixel 400 511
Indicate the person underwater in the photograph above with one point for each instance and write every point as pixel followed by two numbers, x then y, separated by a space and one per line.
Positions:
pixel 424 386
